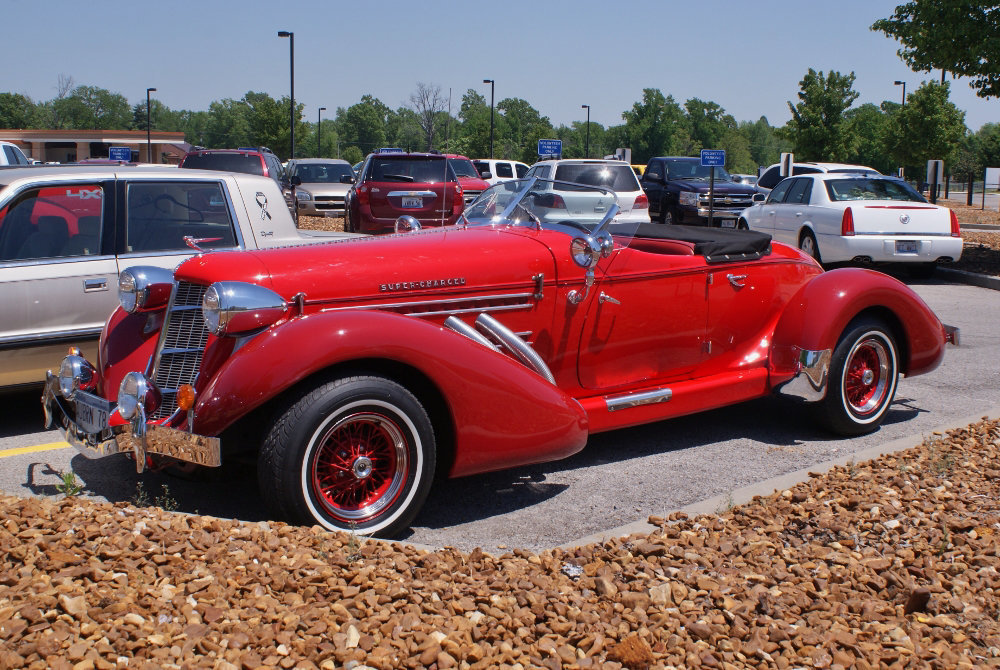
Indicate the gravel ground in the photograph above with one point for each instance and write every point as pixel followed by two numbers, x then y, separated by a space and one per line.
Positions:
pixel 888 563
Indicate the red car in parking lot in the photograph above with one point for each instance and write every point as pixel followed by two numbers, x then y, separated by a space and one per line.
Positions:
pixel 390 185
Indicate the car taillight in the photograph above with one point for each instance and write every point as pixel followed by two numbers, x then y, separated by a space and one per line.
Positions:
pixel 955 231
pixel 641 202
pixel 458 200
pixel 363 196
pixel 847 223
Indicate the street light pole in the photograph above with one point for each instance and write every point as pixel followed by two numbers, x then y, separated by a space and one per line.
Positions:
pixel 903 84
pixel 149 143
pixel 319 131
pixel 291 61
pixel 492 84
pixel 587 152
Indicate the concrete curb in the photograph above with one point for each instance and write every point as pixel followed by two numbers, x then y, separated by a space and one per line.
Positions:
pixel 971 278
pixel 767 487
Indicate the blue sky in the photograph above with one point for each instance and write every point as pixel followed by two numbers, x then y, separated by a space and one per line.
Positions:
pixel 749 57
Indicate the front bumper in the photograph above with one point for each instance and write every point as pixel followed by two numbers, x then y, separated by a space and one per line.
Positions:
pixel 141 440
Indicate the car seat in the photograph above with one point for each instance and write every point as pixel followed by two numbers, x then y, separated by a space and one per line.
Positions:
pixel 48 240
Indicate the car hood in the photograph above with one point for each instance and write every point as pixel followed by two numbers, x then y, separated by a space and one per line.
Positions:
pixel 386 268
pixel 727 187
pixel 325 188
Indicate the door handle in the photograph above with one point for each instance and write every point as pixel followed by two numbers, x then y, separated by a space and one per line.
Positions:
pixel 91 285
pixel 604 297
pixel 736 280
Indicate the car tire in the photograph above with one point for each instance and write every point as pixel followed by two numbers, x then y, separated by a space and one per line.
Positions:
pixel 864 372
pixel 669 216
pixel 742 225
pixel 807 243
pixel 354 454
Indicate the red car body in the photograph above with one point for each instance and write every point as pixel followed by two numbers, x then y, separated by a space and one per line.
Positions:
pixel 468 177
pixel 371 337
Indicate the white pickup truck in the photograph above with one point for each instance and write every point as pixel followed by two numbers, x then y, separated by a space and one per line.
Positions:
pixel 66 232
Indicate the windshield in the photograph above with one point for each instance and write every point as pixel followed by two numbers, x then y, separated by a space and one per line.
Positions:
pixel 322 173
pixel 463 167
pixel 696 171
pixel 249 163
pixel 549 205
pixel 425 170
pixel 871 189
pixel 615 177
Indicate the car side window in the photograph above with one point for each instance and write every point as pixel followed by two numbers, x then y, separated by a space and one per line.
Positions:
pixel 777 194
pixel 521 170
pixel 540 171
pixel 798 192
pixel 504 170
pixel 55 221
pixel 770 178
pixel 159 215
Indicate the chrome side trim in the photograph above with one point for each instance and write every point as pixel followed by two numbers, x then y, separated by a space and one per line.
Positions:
pixel 53 337
pixel 446 301
pixel 620 402
pixel 462 328
pixel 422 194
pixel 812 376
pixel 515 345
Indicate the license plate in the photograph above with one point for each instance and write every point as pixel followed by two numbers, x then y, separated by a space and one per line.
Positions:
pixel 727 223
pixel 906 246
pixel 413 203
pixel 91 412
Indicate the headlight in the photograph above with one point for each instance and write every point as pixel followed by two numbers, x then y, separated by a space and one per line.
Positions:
pixel 238 308
pixel 137 392
pixel 689 198
pixel 144 287
pixel 76 373
pixel 301 194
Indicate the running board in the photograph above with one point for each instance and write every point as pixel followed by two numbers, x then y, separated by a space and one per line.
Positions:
pixel 616 403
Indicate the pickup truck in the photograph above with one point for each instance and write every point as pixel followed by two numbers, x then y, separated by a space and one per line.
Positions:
pixel 66 232
pixel 678 190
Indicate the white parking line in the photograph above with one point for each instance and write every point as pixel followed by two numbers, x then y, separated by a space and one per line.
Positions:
pixel 17 451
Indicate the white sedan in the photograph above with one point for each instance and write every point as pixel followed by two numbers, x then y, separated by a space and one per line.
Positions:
pixel 839 218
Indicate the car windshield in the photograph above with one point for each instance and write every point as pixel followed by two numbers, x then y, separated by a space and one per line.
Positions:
pixel 428 170
pixel 616 177
pixel 552 205
pixel 249 163
pixel 871 189
pixel 323 173
pixel 463 167
pixel 694 170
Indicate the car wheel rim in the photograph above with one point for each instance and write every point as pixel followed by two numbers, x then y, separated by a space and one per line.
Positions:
pixel 359 467
pixel 866 376
pixel 808 246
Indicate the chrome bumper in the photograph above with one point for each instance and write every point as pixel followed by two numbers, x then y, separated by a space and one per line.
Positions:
pixel 812 376
pixel 161 440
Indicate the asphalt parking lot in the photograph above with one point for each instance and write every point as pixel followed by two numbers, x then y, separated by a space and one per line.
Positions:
pixel 619 478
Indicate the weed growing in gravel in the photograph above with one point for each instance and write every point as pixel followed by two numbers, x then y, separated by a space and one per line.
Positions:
pixel 852 468
pixel 164 500
pixel 141 498
pixel 353 544
pixel 726 505
pixel 69 487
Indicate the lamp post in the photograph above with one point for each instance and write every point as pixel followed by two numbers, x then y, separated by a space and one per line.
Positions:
pixel 903 84
pixel 291 61
pixel 149 143
pixel 587 152
pixel 319 131
pixel 492 84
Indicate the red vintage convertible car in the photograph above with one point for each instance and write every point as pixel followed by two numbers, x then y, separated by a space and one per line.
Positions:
pixel 359 369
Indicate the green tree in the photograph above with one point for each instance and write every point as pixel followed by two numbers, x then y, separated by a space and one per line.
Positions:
pixel 403 129
pixel 766 146
pixel 708 123
pixel 428 102
pixel 364 124
pixel 519 127
pixel 16 111
pixel 960 36
pixel 473 135
pixel 654 126
pixel 228 125
pixel 352 155
pixel 928 127
pixel 90 107
pixel 987 143
pixel 818 125
pixel 738 156
pixel 867 127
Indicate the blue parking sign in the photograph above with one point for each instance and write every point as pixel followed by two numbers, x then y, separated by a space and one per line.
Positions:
pixel 120 154
pixel 713 157
pixel 549 147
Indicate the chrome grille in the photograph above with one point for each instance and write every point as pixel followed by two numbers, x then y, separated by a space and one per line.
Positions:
pixel 471 195
pixel 182 347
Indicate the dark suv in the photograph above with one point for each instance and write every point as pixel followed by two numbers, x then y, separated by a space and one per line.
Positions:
pixel 391 185
pixel 678 190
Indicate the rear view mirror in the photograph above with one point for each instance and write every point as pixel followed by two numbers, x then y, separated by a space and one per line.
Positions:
pixel 296 180
pixel 758 197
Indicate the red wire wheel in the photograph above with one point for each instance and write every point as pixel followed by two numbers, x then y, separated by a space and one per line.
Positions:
pixel 360 467
pixel 866 376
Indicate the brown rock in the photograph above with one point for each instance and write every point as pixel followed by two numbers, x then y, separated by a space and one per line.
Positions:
pixel 633 652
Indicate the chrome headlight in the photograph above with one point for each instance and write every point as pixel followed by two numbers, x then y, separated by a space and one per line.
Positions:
pixel 585 251
pixel 238 308
pixel 135 393
pixel 144 287
pixel 76 373
pixel 689 198
pixel 301 194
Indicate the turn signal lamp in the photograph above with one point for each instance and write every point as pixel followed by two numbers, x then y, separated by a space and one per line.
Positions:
pixel 74 351
pixel 185 397
pixel 847 223
pixel 955 231
pixel 641 202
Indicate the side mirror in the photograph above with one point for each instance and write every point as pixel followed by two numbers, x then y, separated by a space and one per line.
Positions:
pixel 758 197
pixel 347 179
pixel 486 174
pixel 652 176
pixel 296 181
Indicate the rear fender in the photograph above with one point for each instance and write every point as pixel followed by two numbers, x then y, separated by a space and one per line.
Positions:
pixel 819 313
pixel 503 414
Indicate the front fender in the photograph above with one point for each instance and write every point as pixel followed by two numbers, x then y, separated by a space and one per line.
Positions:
pixel 817 315
pixel 503 414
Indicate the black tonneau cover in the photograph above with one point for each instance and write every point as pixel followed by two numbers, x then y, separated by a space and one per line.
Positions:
pixel 717 245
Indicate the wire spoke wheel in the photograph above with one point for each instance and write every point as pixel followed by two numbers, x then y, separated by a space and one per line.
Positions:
pixel 866 376
pixel 359 466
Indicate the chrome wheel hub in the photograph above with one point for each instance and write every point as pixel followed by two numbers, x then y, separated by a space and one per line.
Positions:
pixel 868 377
pixel 362 467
